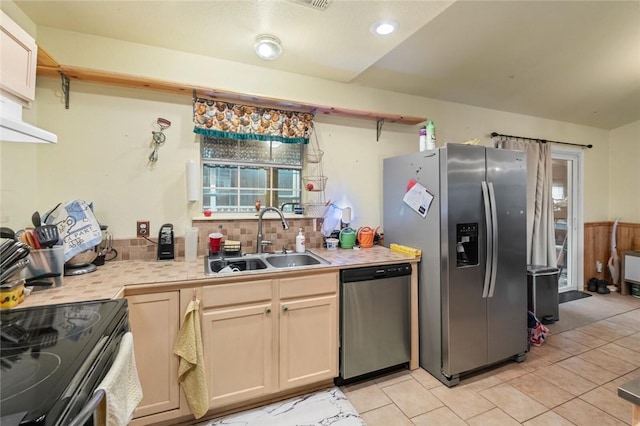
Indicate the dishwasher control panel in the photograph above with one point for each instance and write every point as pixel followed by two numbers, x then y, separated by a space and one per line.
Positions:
pixel 375 272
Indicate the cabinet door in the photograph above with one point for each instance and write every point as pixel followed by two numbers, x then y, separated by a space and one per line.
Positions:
pixel 238 352
pixel 155 321
pixel 18 51
pixel 308 340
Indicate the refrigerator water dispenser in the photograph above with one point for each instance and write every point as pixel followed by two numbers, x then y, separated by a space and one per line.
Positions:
pixel 466 244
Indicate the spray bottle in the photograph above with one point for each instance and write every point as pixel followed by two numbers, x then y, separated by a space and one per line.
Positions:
pixel 431 135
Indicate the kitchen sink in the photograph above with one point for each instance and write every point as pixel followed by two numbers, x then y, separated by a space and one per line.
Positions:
pixel 254 262
pixel 235 264
pixel 293 260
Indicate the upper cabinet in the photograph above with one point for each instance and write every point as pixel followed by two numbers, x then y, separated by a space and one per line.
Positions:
pixel 18 57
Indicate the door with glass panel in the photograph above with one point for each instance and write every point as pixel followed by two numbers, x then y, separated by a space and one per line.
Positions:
pixel 567 215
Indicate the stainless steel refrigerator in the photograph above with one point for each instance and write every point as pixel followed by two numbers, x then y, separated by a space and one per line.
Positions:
pixel 473 272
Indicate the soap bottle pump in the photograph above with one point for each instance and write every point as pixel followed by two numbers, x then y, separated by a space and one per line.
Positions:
pixel 300 239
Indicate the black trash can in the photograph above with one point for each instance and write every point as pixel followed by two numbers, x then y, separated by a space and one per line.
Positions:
pixel 542 283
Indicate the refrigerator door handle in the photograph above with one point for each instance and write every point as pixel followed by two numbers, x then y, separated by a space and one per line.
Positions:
pixel 489 251
pixel 494 254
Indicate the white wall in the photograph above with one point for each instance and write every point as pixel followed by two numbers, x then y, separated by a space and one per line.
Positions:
pixel 624 178
pixel 104 138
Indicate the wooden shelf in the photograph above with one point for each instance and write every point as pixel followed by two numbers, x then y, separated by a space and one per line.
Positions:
pixel 48 67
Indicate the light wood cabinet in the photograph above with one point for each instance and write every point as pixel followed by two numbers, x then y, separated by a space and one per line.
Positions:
pixel 308 330
pixel 18 57
pixel 155 320
pixel 265 336
pixel 238 330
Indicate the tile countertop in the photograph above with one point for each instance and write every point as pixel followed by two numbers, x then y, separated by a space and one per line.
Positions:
pixel 110 280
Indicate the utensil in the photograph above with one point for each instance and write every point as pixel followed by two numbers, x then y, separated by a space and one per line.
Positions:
pixel 31 239
pixel 7 233
pixel 35 219
pixel 47 235
pixel 11 270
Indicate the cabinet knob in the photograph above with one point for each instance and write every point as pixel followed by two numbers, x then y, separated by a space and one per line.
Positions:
pixel 285 308
pixel 267 310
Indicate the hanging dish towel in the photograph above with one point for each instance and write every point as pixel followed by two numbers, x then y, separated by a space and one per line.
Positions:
pixel 121 386
pixel 191 370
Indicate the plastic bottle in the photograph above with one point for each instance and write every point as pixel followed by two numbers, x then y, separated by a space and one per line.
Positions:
pixel 300 239
pixel 431 135
pixel 423 138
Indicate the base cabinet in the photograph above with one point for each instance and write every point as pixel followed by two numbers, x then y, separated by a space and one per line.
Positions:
pixel 308 330
pixel 154 321
pixel 237 335
pixel 265 336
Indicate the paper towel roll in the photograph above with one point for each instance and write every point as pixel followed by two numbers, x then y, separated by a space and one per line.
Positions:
pixel 190 244
pixel 193 184
pixel 346 215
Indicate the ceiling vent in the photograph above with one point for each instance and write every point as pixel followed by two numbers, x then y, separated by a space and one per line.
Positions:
pixel 314 4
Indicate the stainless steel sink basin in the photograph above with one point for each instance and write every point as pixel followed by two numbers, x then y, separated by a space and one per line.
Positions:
pixel 293 260
pixel 253 262
pixel 235 264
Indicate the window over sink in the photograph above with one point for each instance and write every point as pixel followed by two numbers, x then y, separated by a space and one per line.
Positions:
pixel 237 173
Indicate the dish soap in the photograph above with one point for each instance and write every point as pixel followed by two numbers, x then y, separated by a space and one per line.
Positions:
pixel 300 239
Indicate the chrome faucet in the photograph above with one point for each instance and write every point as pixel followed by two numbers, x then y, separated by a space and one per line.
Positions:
pixel 285 225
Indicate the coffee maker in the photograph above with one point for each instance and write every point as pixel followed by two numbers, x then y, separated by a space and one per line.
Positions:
pixel 166 243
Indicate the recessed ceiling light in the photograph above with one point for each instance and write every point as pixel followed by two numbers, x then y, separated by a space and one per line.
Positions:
pixel 383 28
pixel 268 47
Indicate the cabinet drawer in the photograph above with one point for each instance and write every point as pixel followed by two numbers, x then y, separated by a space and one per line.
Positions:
pixel 309 285
pixel 236 293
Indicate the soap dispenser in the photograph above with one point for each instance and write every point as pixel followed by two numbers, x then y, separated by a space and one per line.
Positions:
pixel 300 242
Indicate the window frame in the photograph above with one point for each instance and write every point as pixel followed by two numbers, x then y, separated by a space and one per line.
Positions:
pixel 270 191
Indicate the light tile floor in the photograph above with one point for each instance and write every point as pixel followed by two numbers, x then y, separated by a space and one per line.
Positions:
pixel 572 379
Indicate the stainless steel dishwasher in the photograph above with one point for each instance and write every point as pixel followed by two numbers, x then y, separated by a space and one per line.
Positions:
pixel 374 320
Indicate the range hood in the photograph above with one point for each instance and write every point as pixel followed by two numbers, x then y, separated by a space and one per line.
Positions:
pixel 13 129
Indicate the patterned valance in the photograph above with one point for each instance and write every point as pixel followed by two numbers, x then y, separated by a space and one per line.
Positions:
pixel 228 120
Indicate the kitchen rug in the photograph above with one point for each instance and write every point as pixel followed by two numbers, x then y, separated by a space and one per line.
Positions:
pixel 570 295
pixel 328 407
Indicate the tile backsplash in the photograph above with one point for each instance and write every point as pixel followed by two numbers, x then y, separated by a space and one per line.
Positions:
pixel 242 230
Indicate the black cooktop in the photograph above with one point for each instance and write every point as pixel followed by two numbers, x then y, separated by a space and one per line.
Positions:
pixel 44 352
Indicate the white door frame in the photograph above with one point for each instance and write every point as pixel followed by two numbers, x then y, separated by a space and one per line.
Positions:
pixel 575 262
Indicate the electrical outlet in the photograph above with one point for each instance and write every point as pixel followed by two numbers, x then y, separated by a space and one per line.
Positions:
pixel 142 228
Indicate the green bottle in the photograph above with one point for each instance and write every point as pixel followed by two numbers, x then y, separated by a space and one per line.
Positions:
pixel 431 135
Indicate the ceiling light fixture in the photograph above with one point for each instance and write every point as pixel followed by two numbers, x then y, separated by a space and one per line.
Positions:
pixel 268 47
pixel 383 28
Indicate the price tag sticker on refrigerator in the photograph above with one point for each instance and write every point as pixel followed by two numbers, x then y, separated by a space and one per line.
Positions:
pixel 418 198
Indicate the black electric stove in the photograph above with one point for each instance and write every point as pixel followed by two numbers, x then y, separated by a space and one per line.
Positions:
pixel 53 357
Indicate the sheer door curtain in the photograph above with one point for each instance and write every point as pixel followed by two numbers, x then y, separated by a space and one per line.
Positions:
pixel 541 248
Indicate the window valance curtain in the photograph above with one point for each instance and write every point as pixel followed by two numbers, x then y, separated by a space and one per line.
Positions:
pixel 228 120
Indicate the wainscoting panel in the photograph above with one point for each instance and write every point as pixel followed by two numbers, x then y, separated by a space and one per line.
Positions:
pixel 597 245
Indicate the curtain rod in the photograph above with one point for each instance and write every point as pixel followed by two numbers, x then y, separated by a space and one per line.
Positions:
pixel 494 134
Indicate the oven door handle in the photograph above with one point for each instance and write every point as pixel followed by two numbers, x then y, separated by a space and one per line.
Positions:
pixel 89 409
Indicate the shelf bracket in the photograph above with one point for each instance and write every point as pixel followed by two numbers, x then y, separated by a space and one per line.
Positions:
pixel 65 88
pixel 379 124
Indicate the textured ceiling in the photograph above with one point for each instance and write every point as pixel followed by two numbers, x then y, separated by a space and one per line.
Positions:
pixel 572 61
